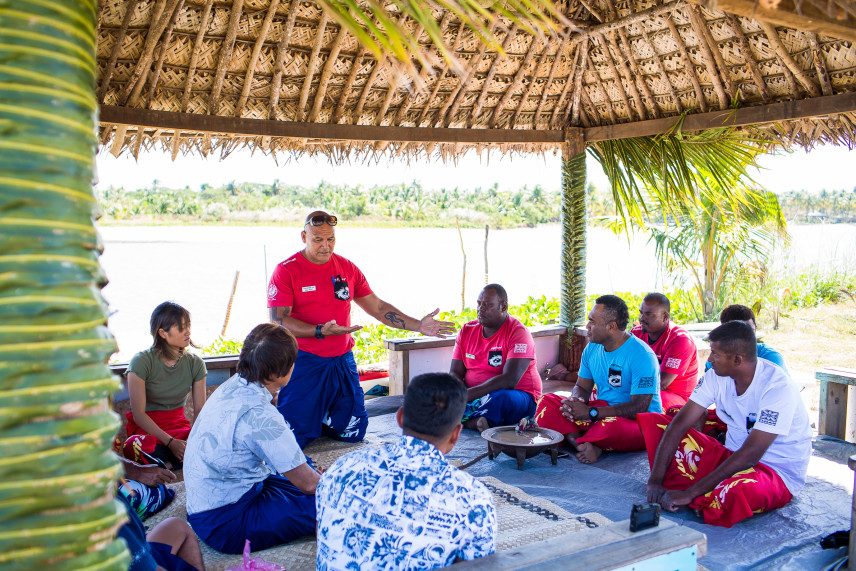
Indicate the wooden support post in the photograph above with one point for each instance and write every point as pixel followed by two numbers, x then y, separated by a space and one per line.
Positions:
pixel 572 305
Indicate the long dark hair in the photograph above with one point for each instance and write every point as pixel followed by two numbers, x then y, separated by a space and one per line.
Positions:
pixel 166 315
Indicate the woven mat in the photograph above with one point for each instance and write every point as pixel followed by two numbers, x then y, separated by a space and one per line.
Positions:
pixel 522 519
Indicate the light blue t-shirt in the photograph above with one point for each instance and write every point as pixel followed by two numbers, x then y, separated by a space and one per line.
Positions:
pixel 632 369
pixel 764 352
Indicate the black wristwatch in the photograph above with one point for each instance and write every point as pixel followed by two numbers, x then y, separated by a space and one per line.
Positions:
pixel 593 414
pixel 318 334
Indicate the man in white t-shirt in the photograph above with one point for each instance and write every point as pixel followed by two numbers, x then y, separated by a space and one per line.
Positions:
pixel 765 458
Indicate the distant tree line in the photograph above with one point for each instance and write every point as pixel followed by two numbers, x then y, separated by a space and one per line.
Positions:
pixel 826 206
pixel 409 204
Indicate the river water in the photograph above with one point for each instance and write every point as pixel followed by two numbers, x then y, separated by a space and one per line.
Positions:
pixel 416 269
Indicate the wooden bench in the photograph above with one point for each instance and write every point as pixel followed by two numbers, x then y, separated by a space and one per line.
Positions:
pixel 412 356
pixel 835 383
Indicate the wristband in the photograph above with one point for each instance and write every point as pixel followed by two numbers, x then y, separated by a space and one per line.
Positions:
pixel 318 334
pixel 170 441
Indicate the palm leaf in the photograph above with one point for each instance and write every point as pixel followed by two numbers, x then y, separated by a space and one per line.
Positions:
pixel 374 24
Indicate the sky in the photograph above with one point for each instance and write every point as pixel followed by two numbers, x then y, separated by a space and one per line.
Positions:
pixel 824 168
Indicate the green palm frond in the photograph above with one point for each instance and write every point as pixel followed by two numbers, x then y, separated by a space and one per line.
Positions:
pixel 673 172
pixel 380 26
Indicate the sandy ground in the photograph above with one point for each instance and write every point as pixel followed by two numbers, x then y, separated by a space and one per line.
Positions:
pixel 814 338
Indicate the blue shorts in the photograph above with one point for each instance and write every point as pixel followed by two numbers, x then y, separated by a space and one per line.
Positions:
pixel 273 512
pixel 501 408
pixel 324 397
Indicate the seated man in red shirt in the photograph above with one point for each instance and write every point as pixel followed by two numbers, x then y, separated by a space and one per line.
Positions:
pixel 495 357
pixel 675 349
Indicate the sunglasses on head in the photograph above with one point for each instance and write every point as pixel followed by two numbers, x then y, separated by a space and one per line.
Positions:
pixel 320 219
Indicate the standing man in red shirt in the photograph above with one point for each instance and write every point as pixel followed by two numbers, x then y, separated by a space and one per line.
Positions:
pixel 310 294
pixel 675 349
pixel 495 357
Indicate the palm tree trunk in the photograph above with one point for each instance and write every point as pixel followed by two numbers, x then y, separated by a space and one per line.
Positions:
pixel 57 473
pixel 572 310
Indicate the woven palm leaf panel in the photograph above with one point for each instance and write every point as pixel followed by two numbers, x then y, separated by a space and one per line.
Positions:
pixel 622 62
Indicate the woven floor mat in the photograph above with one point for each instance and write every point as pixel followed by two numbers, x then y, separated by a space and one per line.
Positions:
pixel 521 518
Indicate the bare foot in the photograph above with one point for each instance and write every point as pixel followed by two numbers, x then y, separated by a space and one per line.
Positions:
pixel 588 453
pixel 482 424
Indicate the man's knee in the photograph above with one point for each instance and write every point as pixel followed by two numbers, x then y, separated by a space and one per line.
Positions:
pixel 173 532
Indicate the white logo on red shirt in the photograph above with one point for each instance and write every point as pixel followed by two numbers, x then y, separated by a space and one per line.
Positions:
pixel 520 347
pixel 272 291
pixel 672 363
pixel 309 288
pixel 468 356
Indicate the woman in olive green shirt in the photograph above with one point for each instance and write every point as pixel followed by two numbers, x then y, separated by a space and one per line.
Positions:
pixel 159 380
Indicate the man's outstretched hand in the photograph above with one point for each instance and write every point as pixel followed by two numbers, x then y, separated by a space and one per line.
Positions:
pixel 433 328
pixel 333 328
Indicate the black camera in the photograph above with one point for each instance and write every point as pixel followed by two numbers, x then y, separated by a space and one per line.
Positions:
pixel 644 515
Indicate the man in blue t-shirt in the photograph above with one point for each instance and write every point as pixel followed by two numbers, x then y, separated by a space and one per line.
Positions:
pixel 745 314
pixel 627 376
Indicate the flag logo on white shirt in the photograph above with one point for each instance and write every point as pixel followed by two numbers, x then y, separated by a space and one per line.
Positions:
pixel 770 417
pixel 672 363
pixel 520 347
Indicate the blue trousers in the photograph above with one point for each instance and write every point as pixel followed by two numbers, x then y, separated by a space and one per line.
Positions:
pixel 501 408
pixel 273 512
pixel 324 397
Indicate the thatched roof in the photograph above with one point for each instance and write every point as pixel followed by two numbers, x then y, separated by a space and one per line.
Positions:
pixel 214 75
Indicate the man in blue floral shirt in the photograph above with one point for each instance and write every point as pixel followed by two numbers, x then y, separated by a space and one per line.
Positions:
pixel 403 506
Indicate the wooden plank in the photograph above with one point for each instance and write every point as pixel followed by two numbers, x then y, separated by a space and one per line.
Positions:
pixel 418 343
pixel 329 132
pixel 833 409
pixel 836 375
pixel 606 547
pixel 399 372
pixel 774 112
pixel 806 17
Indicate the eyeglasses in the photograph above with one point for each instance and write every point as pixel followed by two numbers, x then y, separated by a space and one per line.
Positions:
pixel 320 219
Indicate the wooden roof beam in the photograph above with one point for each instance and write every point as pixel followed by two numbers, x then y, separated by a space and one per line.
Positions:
pixel 313 63
pixel 578 84
pixel 198 123
pixel 621 63
pixel 610 62
pixel 581 52
pixel 254 57
pixel 408 100
pixel 138 78
pixel 787 14
pixel 327 73
pixel 194 57
pixel 225 56
pixel 658 60
pixel 819 65
pixel 689 66
pixel 447 112
pixel 515 83
pixel 349 83
pixel 713 60
pixel 748 55
pixel 361 103
pixel 528 93
pixel 636 72
pixel 760 115
pixel 777 45
pixel 547 84
pixel 279 64
pixel 491 72
pixel 164 44
pixel 130 6
pixel 441 76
